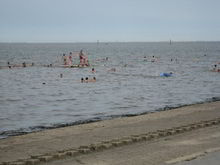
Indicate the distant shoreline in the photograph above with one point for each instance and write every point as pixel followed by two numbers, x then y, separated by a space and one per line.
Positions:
pixel 104 42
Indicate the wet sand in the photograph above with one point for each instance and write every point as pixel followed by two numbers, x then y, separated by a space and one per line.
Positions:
pixel 56 143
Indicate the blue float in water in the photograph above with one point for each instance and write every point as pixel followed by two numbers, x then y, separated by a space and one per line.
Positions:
pixel 166 74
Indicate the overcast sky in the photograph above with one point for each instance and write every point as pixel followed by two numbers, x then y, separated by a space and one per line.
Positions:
pixel 109 20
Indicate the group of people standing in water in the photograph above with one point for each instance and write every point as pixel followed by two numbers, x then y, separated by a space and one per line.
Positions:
pixel 84 62
pixel 83 59
pixel 22 65
pixel 86 80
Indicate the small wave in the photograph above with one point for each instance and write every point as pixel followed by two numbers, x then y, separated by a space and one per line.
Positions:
pixel 12 99
pixel 4 119
pixel 137 75
pixel 99 114
pixel 61 100
pixel 5 134
pixel 145 76
pixel 35 88
pixel 125 107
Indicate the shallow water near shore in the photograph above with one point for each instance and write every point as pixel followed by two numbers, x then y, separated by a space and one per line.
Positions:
pixel 36 98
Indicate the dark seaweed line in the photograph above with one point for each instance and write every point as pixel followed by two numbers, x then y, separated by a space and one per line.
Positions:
pixel 24 131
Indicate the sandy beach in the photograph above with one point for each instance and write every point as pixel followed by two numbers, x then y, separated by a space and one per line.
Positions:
pixel 128 133
pixel 109 82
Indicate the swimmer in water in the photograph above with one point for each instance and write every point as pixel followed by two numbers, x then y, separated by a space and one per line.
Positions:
pixel 87 80
pixel 81 57
pixel 153 59
pixel 64 59
pixel 145 58
pixel 70 61
pixel 93 70
pixel 93 79
pixel 24 64
pixel 215 68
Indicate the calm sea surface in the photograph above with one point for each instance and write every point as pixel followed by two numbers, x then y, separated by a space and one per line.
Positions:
pixel 36 98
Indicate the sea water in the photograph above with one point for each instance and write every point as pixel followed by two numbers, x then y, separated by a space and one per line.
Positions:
pixel 36 98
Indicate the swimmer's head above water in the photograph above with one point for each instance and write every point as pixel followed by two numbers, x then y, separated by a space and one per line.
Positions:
pixel 87 79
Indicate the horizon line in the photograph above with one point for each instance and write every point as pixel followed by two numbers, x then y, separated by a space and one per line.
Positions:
pixel 99 42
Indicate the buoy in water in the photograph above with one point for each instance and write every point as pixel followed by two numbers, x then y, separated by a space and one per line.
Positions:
pixel 166 74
